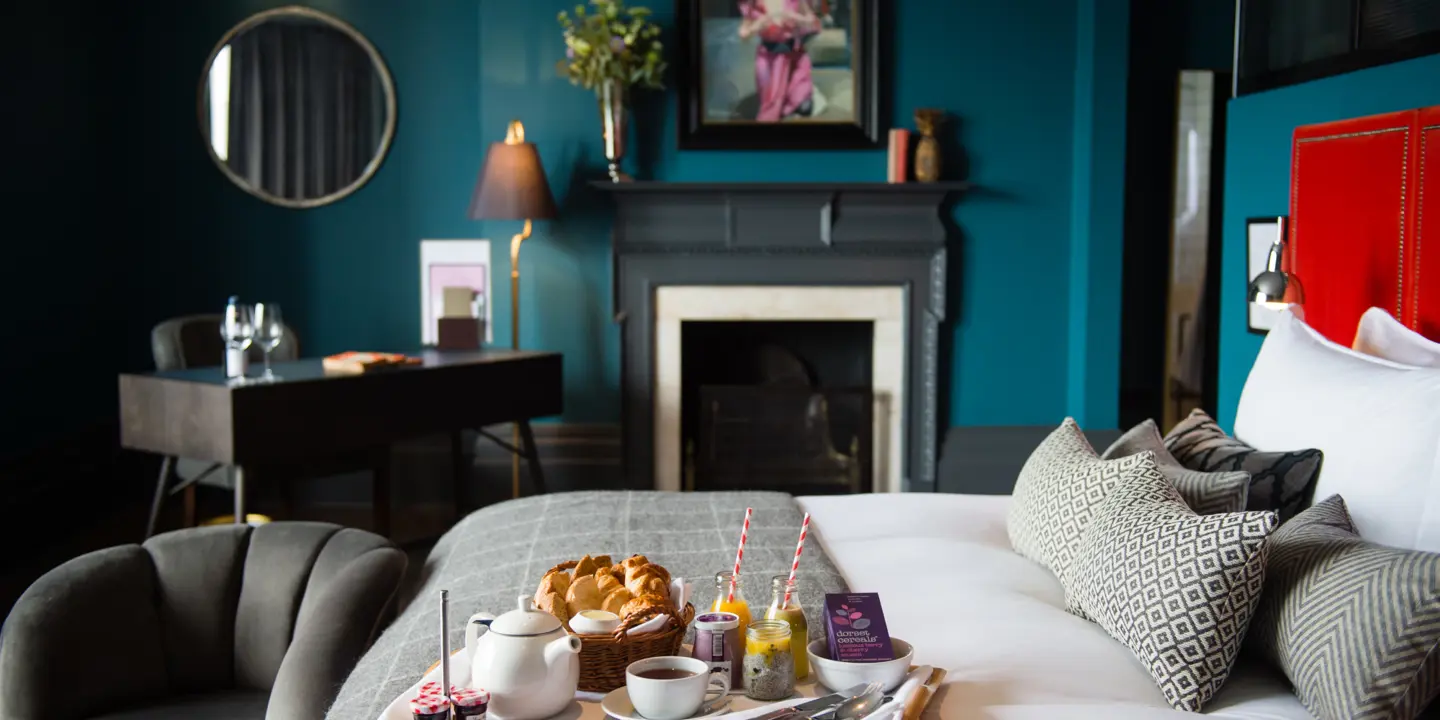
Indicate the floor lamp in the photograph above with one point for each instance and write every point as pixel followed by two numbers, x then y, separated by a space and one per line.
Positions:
pixel 512 186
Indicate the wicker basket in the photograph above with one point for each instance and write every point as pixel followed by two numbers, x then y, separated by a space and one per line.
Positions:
pixel 603 658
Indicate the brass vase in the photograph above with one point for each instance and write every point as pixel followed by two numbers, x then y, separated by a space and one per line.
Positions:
pixel 614 124
pixel 927 152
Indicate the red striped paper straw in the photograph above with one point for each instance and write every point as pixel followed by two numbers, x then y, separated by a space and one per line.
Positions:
pixel 795 564
pixel 739 554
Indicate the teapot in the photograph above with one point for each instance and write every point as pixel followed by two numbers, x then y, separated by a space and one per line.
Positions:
pixel 525 660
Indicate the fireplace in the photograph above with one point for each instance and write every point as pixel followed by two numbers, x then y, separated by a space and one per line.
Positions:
pixel 766 327
pixel 777 405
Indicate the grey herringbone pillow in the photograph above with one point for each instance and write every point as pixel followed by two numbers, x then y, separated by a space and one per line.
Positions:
pixel 1059 487
pixel 1178 589
pixel 1279 481
pixel 1206 493
pixel 1355 625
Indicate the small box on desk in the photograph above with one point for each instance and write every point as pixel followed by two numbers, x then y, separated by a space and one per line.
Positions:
pixel 459 333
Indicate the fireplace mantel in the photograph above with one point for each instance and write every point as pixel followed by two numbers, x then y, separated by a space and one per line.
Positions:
pixel 781 234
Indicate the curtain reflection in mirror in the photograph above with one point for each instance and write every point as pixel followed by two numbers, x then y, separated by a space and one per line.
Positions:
pixel 301 111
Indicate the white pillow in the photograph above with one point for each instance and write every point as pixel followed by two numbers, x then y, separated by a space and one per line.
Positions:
pixel 1377 423
pixel 1381 335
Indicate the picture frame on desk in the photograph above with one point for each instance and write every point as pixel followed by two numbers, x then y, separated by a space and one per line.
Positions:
pixel 1260 234
pixel 450 263
pixel 834 50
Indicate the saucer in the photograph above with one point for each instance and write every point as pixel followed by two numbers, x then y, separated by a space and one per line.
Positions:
pixel 617 705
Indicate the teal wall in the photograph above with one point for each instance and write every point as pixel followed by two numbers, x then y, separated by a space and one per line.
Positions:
pixel 1037 87
pixel 1257 177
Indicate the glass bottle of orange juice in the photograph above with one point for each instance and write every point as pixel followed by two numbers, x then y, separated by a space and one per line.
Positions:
pixel 790 612
pixel 724 602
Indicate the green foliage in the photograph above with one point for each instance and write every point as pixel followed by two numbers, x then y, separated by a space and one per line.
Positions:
pixel 609 41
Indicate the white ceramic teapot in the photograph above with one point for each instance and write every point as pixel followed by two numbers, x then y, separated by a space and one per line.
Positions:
pixel 526 661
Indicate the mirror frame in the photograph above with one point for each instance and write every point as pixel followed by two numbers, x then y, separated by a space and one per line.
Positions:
pixel 387 83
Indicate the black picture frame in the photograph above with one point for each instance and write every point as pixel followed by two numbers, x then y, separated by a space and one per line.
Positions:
pixel 1260 234
pixel 864 133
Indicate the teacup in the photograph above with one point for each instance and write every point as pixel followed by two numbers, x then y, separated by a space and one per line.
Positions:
pixel 672 687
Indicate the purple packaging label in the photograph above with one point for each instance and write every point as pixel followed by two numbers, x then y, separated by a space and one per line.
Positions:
pixel 855 628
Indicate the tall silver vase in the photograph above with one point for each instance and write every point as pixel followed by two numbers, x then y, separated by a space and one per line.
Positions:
pixel 614 125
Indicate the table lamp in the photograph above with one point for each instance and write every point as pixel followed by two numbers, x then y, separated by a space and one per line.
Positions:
pixel 512 186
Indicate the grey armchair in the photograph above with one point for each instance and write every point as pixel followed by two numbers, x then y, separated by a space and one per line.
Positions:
pixel 227 622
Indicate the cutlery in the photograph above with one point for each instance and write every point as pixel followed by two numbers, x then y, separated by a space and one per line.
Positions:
pixel 861 705
pixel 812 708
pixel 921 698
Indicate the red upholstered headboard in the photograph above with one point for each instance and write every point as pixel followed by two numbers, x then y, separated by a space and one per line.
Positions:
pixel 1365 228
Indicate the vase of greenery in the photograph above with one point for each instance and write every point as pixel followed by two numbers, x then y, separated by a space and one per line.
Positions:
pixel 611 49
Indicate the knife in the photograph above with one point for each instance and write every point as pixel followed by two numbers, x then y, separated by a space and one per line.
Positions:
pixel 816 706
pixel 921 698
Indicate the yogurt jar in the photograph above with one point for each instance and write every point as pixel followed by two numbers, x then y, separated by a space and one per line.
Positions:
pixel 717 642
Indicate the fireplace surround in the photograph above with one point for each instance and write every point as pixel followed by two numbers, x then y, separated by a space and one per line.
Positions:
pixel 781 252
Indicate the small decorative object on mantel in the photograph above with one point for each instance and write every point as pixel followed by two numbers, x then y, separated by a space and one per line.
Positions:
pixel 897 167
pixel 609 49
pixel 927 153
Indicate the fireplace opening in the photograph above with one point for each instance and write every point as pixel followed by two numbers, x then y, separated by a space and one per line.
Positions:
pixel 777 405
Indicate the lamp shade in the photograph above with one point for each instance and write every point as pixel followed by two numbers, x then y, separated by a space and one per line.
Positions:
pixel 1276 287
pixel 512 185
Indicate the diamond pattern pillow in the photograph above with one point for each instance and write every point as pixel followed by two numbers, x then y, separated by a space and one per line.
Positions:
pixel 1176 588
pixel 1279 481
pixel 1206 493
pixel 1059 487
pixel 1355 625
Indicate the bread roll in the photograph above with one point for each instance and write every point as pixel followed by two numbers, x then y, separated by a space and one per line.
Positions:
pixel 615 601
pixel 583 595
pixel 586 566
pixel 605 582
pixel 557 581
pixel 554 603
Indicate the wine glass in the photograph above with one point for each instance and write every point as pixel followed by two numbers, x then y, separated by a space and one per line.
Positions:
pixel 269 331
pixel 237 330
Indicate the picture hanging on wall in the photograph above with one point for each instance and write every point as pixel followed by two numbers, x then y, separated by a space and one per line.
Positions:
pixel 779 74
pixel 453 264
pixel 1260 235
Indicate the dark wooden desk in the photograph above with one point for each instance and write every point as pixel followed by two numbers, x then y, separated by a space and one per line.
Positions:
pixel 310 415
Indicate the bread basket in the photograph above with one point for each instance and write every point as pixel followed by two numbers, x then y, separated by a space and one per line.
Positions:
pixel 603 658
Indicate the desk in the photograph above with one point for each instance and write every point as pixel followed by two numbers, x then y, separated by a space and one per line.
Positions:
pixel 309 415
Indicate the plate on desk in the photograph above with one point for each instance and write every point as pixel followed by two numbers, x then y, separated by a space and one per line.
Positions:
pixel 616 704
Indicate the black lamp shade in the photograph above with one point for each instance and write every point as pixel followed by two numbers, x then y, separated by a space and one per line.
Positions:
pixel 512 185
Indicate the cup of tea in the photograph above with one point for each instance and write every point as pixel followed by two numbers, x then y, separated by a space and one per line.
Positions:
pixel 672 687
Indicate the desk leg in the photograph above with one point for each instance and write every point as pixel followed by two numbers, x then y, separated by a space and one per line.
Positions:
pixel 458 474
pixel 161 485
pixel 532 455
pixel 239 495
pixel 380 492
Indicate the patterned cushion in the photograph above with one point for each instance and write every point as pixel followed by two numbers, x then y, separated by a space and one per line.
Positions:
pixel 1279 481
pixel 1206 493
pixel 1059 487
pixel 1354 625
pixel 1176 588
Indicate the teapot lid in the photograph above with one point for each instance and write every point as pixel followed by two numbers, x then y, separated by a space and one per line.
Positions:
pixel 525 620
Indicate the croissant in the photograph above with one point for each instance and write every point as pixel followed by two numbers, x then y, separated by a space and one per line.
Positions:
pixel 583 595
pixel 647 582
pixel 615 601
pixel 555 581
pixel 634 561
pixel 642 602
pixel 606 582
pixel 602 561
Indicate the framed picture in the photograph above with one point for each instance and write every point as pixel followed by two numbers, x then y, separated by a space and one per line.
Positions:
pixel 450 264
pixel 779 74
pixel 1260 234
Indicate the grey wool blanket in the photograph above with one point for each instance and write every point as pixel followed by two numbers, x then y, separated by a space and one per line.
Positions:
pixel 500 552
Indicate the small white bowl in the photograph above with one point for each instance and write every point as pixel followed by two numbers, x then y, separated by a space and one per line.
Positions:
pixel 595 622
pixel 838 675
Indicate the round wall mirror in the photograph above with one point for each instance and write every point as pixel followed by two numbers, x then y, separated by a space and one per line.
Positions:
pixel 297 107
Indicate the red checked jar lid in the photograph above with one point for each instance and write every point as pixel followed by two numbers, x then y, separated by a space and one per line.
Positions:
pixel 470 703
pixel 430 688
pixel 430 707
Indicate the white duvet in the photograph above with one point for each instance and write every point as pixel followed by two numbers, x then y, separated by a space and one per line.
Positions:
pixel 951 584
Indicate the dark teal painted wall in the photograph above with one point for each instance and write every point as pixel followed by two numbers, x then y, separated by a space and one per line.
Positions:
pixel 1257 177
pixel 348 272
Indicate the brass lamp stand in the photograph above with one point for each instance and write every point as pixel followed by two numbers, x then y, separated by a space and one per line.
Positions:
pixel 512 186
